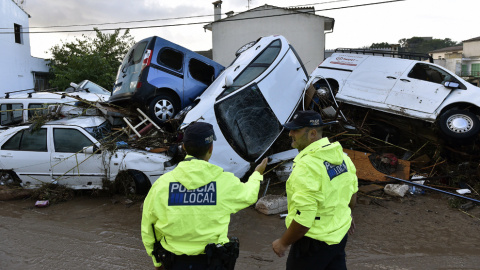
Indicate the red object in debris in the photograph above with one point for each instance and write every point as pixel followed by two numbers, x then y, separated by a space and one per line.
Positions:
pixel 146 129
pixel 42 203
pixel 390 159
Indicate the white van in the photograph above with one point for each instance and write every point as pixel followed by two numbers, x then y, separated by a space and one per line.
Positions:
pixel 18 107
pixel 410 88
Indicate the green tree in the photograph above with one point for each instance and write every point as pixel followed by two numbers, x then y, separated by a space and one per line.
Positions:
pixel 424 45
pixel 381 45
pixel 96 59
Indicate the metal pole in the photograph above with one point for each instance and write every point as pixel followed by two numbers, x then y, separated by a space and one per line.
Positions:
pixel 432 188
pixel 266 188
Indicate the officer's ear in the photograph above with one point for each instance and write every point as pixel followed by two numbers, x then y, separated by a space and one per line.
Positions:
pixel 183 147
pixel 210 150
pixel 312 134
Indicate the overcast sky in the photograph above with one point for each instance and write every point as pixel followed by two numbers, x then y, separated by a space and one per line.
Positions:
pixel 354 27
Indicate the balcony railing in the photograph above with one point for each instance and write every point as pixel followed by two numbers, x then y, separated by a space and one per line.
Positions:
pixel 470 74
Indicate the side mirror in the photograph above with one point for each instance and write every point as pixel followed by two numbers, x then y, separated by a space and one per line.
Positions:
pixel 74 85
pixel 451 85
pixel 228 80
pixel 89 149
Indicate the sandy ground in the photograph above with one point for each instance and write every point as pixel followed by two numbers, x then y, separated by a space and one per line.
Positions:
pixel 415 232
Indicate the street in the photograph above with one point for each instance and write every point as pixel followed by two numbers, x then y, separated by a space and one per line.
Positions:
pixel 415 232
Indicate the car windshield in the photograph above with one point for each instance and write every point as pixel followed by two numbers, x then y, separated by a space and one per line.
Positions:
pixel 252 71
pixel 249 123
pixel 100 132
pixel 91 87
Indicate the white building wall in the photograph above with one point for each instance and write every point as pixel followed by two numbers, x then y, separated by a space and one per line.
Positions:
pixel 304 32
pixel 438 55
pixel 471 49
pixel 454 65
pixel 17 63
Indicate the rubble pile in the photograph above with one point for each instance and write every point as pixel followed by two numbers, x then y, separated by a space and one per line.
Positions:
pixel 392 144
pixel 440 162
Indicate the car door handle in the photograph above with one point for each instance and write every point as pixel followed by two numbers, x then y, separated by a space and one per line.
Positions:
pixel 404 80
pixel 7 155
pixel 390 77
pixel 58 157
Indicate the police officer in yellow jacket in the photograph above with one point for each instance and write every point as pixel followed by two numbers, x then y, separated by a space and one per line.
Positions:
pixel 188 208
pixel 321 191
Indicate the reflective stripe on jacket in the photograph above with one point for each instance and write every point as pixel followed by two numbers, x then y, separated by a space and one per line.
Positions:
pixel 191 206
pixel 319 190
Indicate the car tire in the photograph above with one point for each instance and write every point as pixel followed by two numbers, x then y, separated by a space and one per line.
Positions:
pixel 133 183
pixel 245 47
pixel 142 183
pixel 323 96
pixel 163 108
pixel 459 124
pixel 9 178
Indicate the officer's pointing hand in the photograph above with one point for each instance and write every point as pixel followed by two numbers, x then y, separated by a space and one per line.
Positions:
pixel 261 167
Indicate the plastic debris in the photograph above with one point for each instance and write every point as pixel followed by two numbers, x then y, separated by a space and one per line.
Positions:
pixel 463 191
pixel 398 190
pixel 42 203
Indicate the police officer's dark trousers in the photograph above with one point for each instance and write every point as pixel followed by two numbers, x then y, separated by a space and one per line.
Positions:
pixel 184 262
pixel 308 253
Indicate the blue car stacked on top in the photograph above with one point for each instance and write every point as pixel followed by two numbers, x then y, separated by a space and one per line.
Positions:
pixel 162 77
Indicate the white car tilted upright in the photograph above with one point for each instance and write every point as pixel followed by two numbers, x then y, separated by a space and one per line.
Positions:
pixel 250 100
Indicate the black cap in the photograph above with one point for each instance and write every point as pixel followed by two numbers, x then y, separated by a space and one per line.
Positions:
pixel 303 119
pixel 199 133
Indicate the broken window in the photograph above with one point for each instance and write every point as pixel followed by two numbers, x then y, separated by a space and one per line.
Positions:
pixel 70 140
pixel 100 132
pixel 135 55
pixel 11 114
pixel 91 87
pixel 254 69
pixel 247 122
pixel 37 109
pixel 26 141
pixel 201 71
pixel 171 58
pixel 18 33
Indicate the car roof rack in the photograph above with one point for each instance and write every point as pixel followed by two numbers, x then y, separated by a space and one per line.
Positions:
pixel 404 55
pixel 7 94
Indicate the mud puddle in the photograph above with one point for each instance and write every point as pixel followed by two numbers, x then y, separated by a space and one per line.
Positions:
pixel 103 233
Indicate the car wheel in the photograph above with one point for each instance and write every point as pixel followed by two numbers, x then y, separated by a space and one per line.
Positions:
pixel 163 108
pixel 8 178
pixel 459 124
pixel 244 48
pixel 323 96
pixel 133 182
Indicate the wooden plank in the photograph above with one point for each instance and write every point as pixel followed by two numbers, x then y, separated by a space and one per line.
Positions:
pixel 366 171
pixel 370 188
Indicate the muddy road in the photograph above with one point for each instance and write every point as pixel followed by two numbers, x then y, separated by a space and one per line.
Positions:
pixel 415 232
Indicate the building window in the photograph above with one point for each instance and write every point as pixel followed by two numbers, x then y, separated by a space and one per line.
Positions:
pixel 464 70
pixel 475 70
pixel 18 33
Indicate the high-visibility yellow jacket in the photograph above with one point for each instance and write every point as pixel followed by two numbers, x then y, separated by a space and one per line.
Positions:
pixel 319 190
pixel 191 206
